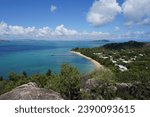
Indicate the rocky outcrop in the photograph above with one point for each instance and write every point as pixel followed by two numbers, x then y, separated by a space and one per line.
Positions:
pixel 31 91
pixel 90 83
pixel 96 89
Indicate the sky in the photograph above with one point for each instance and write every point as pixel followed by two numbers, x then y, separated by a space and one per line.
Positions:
pixel 75 19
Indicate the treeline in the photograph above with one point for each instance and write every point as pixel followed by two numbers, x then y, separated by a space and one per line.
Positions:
pixel 100 84
pixel 67 82
pixel 125 45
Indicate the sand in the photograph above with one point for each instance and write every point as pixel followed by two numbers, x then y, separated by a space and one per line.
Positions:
pixel 97 64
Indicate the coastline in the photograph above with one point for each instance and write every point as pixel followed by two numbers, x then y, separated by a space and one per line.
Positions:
pixel 97 64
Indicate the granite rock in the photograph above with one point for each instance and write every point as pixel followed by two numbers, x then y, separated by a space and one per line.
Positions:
pixel 31 91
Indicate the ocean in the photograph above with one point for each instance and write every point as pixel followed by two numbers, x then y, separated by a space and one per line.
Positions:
pixel 39 56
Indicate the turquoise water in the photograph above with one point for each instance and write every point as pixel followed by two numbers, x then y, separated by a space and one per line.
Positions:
pixel 39 56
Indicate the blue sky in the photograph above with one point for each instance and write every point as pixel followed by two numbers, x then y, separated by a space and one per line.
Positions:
pixel 37 13
pixel 75 19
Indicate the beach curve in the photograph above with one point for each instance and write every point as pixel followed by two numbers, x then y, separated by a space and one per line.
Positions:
pixel 97 64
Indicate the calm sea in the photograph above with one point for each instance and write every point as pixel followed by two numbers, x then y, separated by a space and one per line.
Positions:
pixel 39 56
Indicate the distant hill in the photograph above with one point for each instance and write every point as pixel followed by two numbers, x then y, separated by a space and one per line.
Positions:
pixel 125 45
pixel 1 40
pixel 104 40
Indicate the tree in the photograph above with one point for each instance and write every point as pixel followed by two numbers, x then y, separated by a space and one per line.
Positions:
pixel 12 76
pixel 24 74
pixel 40 79
pixel 69 82
pixel 2 87
pixel 1 78
pixel 49 73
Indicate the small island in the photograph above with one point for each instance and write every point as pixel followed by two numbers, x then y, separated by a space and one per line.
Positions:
pixel 102 40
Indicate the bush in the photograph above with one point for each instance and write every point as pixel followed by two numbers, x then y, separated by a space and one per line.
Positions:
pixel 69 82
pixel 40 80
pixel 13 76
pixel 1 78
pixel 24 74
pixel 103 75
pixel 49 73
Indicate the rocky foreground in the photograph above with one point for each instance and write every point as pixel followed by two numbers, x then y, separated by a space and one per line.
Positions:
pixel 97 90
pixel 31 91
pixel 92 89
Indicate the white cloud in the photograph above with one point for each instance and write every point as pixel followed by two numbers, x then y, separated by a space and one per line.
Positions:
pixel 146 21
pixel 35 33
pixel 16 30
pixel 117 29
pixel 103 12
pixel 61 32
pixel 3 28
pixel 136 11
pixel 43 32
pixel 53 8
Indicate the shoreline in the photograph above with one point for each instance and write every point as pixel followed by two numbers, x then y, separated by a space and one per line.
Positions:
pixel 97 64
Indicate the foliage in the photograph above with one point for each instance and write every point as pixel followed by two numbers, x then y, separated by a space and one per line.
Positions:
pixel 1 78
pixel 137 55
pixel 49 73
pixel 39 79
pixel 67 83
pixel 24 74
pixel 70 81
pixel 103 75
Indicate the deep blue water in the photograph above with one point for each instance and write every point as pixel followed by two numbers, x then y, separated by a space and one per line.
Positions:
pixel 39 56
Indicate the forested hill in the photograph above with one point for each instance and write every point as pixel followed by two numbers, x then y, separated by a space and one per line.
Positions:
pixel 125 45
pixel 130 61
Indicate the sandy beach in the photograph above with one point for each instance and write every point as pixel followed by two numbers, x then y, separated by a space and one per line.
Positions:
pixel 97 64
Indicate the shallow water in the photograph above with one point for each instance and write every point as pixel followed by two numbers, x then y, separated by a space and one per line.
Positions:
pixel 39 56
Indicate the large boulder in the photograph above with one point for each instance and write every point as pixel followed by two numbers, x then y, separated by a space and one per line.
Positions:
pixel 123 87
pixel 90 83
pixel 31 91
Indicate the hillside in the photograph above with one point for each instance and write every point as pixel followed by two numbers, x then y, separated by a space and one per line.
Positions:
pixel 125 45
pixel 130 61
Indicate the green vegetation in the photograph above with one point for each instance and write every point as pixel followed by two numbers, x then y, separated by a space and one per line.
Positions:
pixel 13 81
pixel 126 74
pixel 67 82
pixel 129 61
pixel 1 78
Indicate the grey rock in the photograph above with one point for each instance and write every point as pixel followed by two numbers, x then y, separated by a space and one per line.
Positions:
pixel 133 89
pixel 99 97
pixel 89 84
pixel 118 98
pixel 112 88
pixel 31 91
pixel 122 86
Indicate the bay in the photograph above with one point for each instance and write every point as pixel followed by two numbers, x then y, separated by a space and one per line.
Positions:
pixel 39 56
